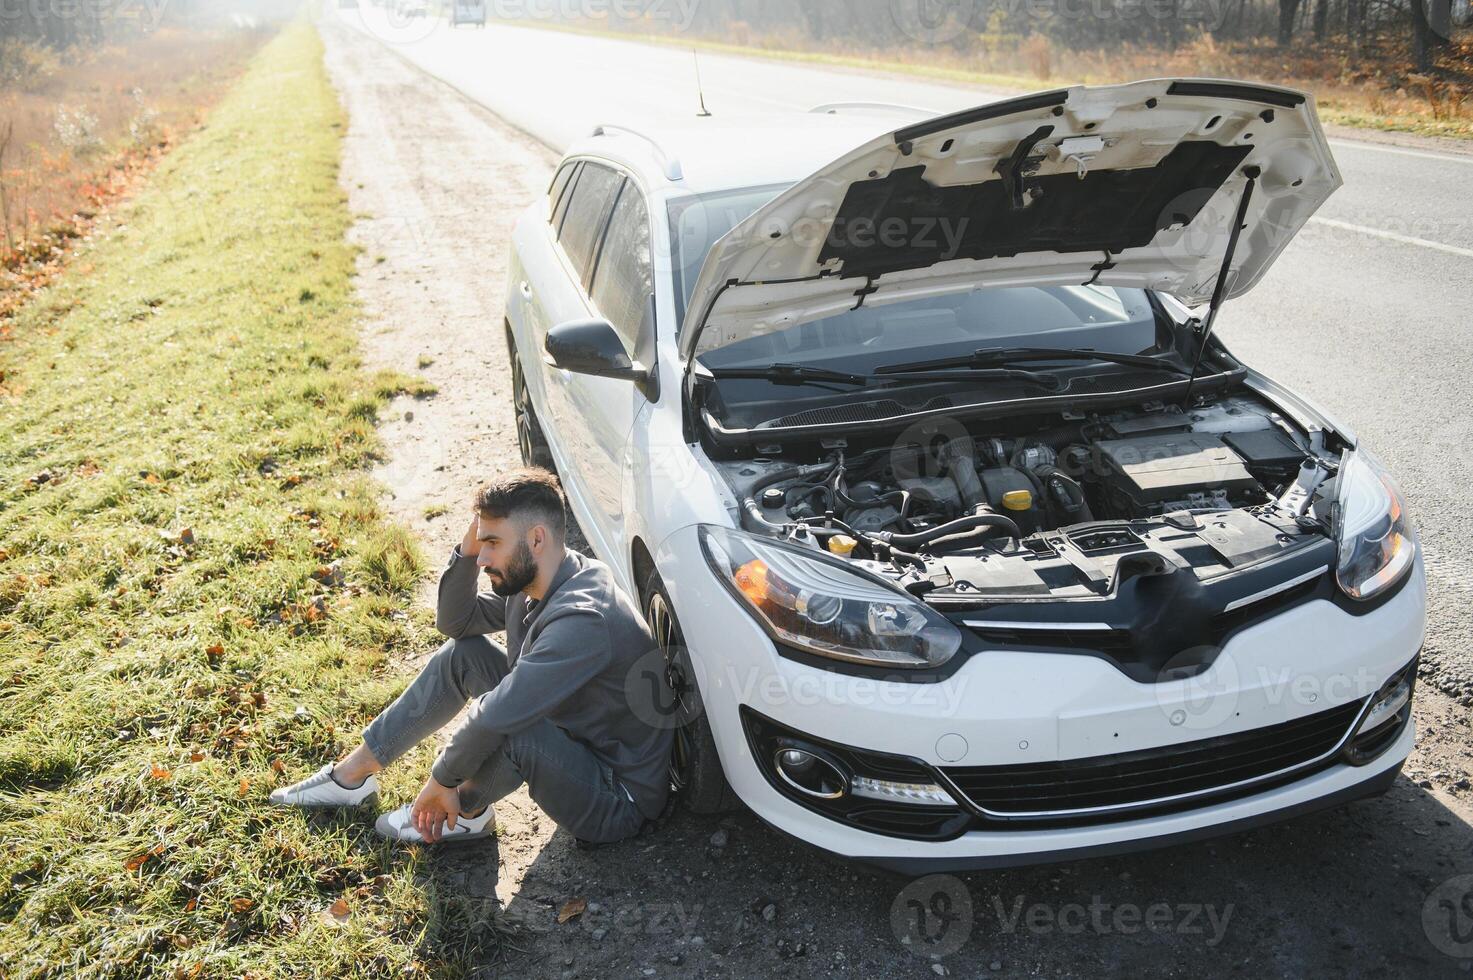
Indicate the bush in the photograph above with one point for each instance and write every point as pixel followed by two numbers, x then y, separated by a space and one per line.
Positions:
pixel 26 66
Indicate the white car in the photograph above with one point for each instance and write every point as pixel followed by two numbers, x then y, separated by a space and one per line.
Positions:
pixel 970 544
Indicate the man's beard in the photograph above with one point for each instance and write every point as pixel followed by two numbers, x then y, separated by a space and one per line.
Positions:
pixel 518 574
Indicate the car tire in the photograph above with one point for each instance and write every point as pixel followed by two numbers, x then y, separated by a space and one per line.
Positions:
pixel 696 777
pixel 530 440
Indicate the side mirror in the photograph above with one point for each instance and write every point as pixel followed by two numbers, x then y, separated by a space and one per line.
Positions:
pixel 592 347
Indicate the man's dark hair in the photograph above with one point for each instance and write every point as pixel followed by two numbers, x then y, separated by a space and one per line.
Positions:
pixel 531 494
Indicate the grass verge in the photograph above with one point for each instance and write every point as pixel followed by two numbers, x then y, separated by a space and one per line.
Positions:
pixel 199 592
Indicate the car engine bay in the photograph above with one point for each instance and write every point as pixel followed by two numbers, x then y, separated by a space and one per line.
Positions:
pixel 1061 506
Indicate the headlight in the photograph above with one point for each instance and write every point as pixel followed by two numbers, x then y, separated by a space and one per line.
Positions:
pixel 1373 530
pixel 816 604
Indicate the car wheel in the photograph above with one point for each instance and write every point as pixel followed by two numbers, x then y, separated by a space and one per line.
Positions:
pixel 696 778
pixel 530 440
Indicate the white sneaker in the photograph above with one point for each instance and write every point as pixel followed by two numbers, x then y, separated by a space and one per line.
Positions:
pixel 320 789
pixel 399 825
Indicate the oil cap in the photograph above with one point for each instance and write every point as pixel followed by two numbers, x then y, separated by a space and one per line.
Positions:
pixel 842 545
pixel 1018 500
pixel 773 497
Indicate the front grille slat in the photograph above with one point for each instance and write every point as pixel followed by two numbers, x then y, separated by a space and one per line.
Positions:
pixel 1135 780
pixel 1283 746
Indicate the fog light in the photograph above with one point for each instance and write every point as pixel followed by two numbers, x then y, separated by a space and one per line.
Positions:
pixel 1387 707
pixel 884 789
pixel 810 773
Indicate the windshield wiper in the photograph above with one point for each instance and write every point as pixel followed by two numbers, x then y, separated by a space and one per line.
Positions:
pixel 798 374
pixel 981 374
pixel 1020 355
pixel 793 374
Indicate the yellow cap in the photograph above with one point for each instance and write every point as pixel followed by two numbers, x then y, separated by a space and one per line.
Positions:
pixel 842 545
pixel 1018 500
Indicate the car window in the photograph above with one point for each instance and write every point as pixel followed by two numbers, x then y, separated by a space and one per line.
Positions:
pixel 559 184
pixel 699 221
pixel 623 283
pixel 588 212
pixel 560 210
pixel 1104 318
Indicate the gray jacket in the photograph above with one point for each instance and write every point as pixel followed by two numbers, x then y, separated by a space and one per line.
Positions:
pixel 572 655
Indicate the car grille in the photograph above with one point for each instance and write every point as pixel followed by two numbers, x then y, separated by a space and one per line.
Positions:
pixel 1155 779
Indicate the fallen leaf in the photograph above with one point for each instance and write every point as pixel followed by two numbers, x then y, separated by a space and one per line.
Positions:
pixel 245 787
pixel 278 766
pixel 139 860
pixel 196 757
pixel 192 904
pixel 241 904
pixel 150 478
pixel 159 772
pixel 214 652
pixel 338 913
pixel 574 908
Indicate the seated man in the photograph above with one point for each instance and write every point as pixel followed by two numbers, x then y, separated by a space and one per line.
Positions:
pixel 551 711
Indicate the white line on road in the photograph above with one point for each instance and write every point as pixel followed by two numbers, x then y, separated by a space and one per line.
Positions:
pixel 1359 145
pixel 1394 237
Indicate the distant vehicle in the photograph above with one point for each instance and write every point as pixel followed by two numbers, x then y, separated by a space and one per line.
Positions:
pixel 468 12
pixel 968 544
pixel 414 8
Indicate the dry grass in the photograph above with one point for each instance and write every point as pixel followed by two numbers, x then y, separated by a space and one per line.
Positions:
pixel 76 131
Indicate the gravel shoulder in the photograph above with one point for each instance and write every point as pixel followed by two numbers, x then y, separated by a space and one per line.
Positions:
pixel 436 182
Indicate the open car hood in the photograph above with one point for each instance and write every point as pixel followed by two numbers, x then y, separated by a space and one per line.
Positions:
pixel 1125 185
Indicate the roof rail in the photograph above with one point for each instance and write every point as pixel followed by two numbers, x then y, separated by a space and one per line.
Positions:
pixel 673 170
pixel 834 108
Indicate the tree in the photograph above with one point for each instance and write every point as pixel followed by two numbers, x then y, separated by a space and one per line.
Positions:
pixel 1288 10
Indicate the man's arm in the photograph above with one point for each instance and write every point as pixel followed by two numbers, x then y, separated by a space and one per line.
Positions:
pixel 571 649
pixel 461 611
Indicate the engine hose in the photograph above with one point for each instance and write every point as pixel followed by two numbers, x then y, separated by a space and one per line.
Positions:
pixel 750 506
pixel 1040 495
pixel 1078 505
pixel 969 523
pixel 897 556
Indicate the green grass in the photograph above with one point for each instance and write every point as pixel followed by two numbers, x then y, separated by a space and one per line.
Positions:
pixel 200 596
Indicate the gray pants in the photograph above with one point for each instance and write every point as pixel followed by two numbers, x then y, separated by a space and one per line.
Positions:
pixel 563 776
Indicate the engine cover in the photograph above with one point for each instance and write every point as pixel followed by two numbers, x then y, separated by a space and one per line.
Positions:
pixel 1156 469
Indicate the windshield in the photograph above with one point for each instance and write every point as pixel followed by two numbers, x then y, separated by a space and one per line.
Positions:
pixel 1100 318
pixel 699 222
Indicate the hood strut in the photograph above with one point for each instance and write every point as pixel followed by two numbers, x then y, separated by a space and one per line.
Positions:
pixel 1252 173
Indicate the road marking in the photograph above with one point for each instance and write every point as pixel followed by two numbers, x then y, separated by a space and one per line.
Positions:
pixel 1392 236
pixel 1358 145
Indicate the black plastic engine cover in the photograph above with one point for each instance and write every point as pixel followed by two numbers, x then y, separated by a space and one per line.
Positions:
pixel 1159 468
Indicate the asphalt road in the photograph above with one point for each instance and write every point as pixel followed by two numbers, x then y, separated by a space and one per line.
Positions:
pixel 1365 313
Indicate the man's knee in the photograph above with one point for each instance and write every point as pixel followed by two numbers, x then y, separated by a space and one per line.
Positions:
pixel 473 663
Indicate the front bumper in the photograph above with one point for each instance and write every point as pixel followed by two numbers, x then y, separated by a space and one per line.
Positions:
pixel 1007 708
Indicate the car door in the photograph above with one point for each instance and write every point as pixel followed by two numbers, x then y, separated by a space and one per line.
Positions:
pixel 620 291
pixel 536 287
pixel 585 412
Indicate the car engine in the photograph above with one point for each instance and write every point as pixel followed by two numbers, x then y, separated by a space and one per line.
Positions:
pixel 1058 506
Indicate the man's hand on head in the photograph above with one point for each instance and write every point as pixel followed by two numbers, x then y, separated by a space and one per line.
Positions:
pixel 470 545
pixel 436 806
